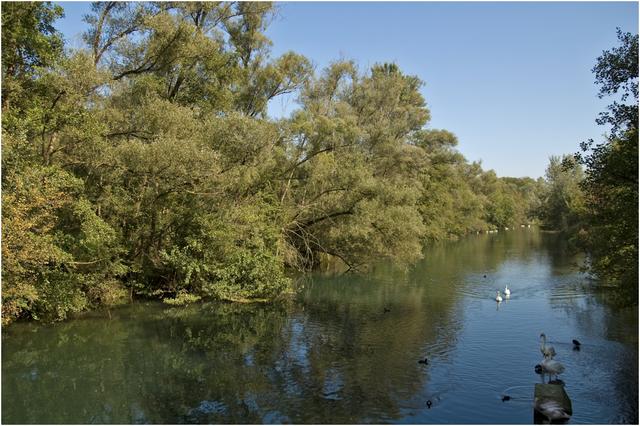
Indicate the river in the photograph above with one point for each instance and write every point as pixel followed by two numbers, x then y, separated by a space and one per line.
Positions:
pixel 346 350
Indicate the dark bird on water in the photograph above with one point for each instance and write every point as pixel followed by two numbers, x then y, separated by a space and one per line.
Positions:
pixel 576 345
pixel 484 276
pixel 424 361
pixel 429 403
pixel 387 310
pixel 505 398
pixel 538 369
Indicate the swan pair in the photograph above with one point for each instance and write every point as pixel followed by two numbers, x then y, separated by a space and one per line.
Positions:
pixel 552 410
pixel 507 293
pixel 549 365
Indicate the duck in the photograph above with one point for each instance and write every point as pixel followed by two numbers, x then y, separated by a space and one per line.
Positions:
pixel 576 345
pixel 424 361
pixel 552 410
pixel 498 297
pixel 507 292
pixel 429 403
pixel 547 350
pixel 538 369
pixel 551 366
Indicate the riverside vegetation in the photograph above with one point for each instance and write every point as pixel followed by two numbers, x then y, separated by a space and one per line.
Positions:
pixel 145 164
pixel 592 196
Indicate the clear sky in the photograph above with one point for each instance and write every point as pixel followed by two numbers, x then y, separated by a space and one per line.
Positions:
pixel 512 80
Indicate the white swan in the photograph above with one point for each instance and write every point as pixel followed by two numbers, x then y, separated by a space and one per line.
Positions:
pixel 498 297
pixel 548 351
pixel 551 366
pixel 552 410
pixel 507 292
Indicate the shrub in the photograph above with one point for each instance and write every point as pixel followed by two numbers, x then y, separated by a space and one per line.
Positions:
pixel 249 276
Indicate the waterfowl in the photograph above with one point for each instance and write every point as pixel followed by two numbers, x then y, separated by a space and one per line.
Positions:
pixel 429 403
pixel 505 398
pixel 424 361
pixel 507 292
pixel 548 351
pixel 498 297
pixel 538 369
pixel 551 366
pixel 552 410
pixel 387 310
pixel 576 343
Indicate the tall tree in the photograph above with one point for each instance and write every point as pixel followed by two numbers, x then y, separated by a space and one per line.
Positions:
pixel 29 42
pixel 145 164
pixel 611 181
pixel 351 183
pixel 562 198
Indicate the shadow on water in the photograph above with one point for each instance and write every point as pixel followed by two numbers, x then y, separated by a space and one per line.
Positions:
pixel 345 351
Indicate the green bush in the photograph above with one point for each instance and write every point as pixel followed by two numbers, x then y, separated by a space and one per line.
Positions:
pixel 59 295
pixel 249 276
pixel 182 298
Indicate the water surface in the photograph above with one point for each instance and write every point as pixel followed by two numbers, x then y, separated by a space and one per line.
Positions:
pixel 345 351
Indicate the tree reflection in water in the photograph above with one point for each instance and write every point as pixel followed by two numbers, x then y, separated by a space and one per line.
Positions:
pixel 346 350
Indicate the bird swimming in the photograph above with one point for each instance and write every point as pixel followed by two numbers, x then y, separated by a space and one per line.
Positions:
pixel 505 398
pixel 424 361
pixel 576 345
pixel 429 403
pixel 507 292
pixel 538 369
pixel 547 350
pixel 498 297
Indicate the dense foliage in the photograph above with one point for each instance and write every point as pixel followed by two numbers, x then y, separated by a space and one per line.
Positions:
pixel 146 165
pixel 611 178
pixel 562 207
pixel 593 196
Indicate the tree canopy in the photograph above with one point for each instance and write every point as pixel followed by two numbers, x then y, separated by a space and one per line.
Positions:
pixel 145 164
pixel 611 173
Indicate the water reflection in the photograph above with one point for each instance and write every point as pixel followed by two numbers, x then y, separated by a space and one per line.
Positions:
pixel 346 351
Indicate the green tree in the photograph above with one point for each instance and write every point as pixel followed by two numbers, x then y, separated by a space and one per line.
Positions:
pixel 448 205
pixel 145 164
pixel 611 181
pixel 562 198
pixel 29 42
pixel 351 186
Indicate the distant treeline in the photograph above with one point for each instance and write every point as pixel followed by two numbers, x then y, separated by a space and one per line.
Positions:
pixel 145 164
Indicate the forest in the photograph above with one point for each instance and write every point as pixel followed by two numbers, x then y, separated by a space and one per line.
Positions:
pixel 145 165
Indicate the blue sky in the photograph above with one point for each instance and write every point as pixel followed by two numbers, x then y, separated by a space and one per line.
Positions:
pixel 512 80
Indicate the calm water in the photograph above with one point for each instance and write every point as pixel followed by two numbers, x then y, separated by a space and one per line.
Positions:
pixel 336 356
